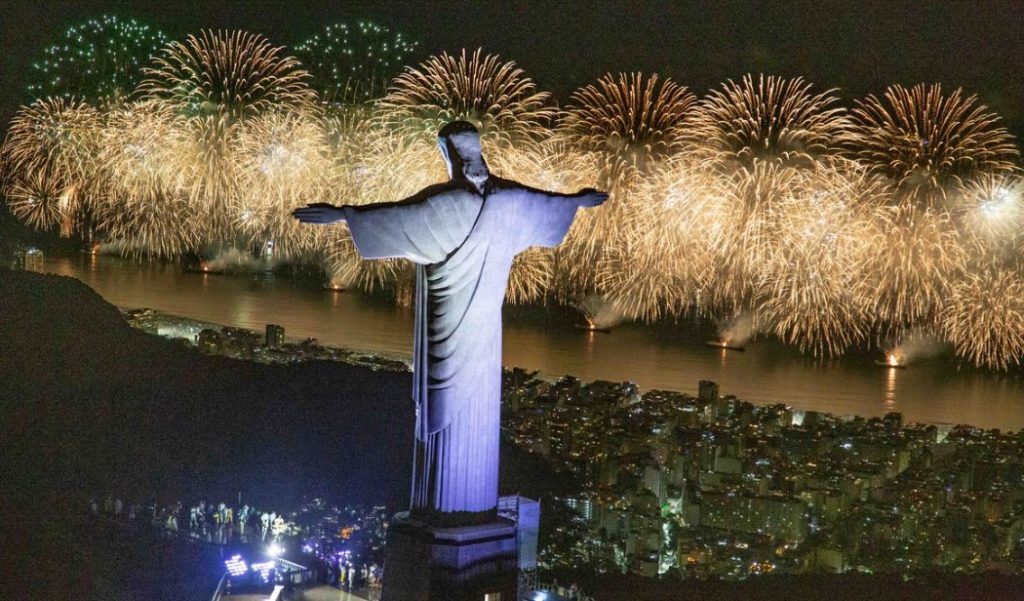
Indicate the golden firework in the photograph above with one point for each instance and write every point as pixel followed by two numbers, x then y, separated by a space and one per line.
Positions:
pixel 929 144
pixel 219 82
pixel 49 158
pixel 916 254
pixel 632 120
pixel 494 95
pixel 984 317
pixel 812 294
pixel 39 199
pixel 768 119
pixel 284 163
pixel 671 225
pixel 990 213
pixel 143 204
pixel 629 124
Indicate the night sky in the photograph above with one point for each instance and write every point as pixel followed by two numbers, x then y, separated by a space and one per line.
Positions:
pixel 859 47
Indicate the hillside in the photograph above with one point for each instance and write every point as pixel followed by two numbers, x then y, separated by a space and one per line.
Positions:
pixel 91 406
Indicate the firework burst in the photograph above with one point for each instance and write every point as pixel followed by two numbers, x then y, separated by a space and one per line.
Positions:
pixel 49 159
pixel 672 223
pixel 39 199
pixel 141 204
pixel 770 119
pixel 990 213
pixel 233 75
pixel 493 95
pixel 220 82
pixel 99 61
pixel 352 63
pixel 633 121
pixel 283 163
pixel 629 123
pixel 917 252
pixel 929 144
pixel 812 292
pixel 984 317
pixel 56 135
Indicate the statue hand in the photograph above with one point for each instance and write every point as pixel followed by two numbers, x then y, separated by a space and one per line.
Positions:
pixel 592 198
pixel 319 212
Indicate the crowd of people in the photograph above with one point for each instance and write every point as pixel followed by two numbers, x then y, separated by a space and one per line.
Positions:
pixel 218 523
pixel 224 524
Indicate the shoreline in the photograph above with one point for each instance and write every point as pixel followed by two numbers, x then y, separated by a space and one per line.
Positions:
pixel 388 361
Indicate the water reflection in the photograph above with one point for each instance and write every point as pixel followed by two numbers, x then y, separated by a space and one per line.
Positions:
pixel 890 387
pixel 546 340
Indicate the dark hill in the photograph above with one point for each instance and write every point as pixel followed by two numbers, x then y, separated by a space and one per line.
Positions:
pixel 95 405
pixel 90 406
pixel 98 406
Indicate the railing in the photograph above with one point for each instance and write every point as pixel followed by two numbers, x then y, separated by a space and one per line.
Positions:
pixel 296 574
pixel 218 593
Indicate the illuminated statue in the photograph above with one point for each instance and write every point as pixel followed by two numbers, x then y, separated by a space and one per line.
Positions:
pixel 462 235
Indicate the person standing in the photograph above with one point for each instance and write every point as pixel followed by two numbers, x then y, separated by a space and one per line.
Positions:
pixel 278 527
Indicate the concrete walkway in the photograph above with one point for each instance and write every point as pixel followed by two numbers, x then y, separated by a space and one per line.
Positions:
pixel 319 593
pixel 329 593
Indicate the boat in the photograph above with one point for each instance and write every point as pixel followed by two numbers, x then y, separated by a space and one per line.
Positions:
pixel 725 345
pixel 592 328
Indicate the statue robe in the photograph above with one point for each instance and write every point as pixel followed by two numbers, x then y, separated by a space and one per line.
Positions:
pixel 463 244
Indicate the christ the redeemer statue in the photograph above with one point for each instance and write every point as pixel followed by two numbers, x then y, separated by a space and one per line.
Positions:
pixel 462 235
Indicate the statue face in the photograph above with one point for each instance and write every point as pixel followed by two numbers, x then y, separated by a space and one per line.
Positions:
pixel 462 155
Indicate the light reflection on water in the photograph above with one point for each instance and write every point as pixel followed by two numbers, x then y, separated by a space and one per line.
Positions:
pixel 652 356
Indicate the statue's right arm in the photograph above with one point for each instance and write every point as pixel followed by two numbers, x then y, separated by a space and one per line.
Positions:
pixel 423 228
pixel 325 213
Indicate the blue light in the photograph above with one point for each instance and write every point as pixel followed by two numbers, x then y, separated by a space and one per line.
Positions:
pixel 236 565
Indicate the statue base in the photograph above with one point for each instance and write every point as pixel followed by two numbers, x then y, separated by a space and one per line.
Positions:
pixel 467 563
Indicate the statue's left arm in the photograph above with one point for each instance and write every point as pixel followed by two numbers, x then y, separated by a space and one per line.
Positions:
pixel 545 217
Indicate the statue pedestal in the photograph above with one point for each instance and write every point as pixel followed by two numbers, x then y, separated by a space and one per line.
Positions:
pixel 469 563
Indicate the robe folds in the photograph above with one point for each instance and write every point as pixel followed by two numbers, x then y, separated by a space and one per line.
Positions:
pixel 463 244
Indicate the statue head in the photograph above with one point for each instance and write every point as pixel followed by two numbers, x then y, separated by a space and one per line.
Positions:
pixel 459 142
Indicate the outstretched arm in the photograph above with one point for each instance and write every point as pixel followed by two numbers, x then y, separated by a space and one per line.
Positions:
pixel 320 212
pixel 323 213
pixel 545 217
pixel 586 198
pixel 423 228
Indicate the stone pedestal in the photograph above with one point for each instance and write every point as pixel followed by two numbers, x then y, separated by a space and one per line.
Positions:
pixel 469 563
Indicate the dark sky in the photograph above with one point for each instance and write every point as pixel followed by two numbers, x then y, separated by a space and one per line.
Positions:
pixel 859 46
